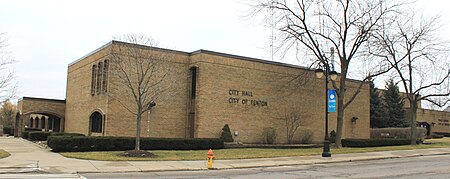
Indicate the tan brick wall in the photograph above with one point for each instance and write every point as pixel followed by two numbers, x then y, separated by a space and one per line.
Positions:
pixel 441 119
pixel 79 102
pixel 217 75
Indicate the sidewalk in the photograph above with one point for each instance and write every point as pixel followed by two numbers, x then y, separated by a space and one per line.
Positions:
pixel 29 157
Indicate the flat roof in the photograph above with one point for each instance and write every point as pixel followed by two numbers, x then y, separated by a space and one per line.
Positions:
pixel 42 99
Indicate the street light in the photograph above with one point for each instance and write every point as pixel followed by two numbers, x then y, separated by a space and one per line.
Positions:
pixel 333 75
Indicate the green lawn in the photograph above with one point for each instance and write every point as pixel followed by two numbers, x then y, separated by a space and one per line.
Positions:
pixel 247 153
pixel 3 154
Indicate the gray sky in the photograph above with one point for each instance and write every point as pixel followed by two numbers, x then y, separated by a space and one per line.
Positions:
pixel 44 36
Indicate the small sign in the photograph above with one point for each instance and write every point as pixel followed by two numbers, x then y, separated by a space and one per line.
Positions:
pixel 332 100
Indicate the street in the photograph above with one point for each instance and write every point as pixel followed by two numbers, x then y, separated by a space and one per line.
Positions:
pixel 415 167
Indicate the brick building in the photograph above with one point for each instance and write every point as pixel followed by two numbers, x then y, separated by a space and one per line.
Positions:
pixel 207 90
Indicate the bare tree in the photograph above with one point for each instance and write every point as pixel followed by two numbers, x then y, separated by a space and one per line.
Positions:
pixel 418 56
pixel 7 87
pixel 313 26
pixel 141 74
pixel 293 120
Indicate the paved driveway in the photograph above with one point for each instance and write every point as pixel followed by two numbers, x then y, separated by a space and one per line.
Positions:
pixel 27 156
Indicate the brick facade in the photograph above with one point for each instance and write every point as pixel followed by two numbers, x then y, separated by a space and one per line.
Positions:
pixel 248 94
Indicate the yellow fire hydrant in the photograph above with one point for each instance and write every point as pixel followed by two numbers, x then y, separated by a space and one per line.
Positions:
pixel 210 158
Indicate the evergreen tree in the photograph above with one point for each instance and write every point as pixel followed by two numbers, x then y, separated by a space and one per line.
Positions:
pixel 226 134
pixel 376 108
pixel 394 106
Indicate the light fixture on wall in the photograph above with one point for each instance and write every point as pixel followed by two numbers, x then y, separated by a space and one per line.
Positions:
pixel 354 119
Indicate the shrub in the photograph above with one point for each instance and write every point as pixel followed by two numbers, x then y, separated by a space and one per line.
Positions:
pixel 307 137
pixel 445 134
pixel 374 142
pixel 65 134
pixel 8 130
pixel 38 135
pixel 396 133
pixel 437 136
pixel 25 134
pixel 332 136
pixel 226 134
pixel 93 143
pixel 32 129
pixel 269 135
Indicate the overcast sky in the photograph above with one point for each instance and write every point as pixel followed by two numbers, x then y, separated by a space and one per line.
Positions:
pixel 45 36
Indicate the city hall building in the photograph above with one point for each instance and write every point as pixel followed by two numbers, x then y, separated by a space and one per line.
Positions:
pixel 206 90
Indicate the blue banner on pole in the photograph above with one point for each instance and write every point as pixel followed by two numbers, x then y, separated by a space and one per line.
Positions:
pixel 332 100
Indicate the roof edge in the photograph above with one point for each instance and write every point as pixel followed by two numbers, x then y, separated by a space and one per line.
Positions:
pixel 90 53
pixel 42 99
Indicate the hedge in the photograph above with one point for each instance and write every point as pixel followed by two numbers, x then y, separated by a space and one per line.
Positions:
pixel 65 134
pixel 94 143
pixel 445 134
pixel 375 142
pixel 32 129
pixel 38 135
pixel 396 133
pixel 25 134
pixel 8 130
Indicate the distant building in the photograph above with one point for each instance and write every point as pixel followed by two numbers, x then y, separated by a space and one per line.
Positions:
pixel 213 89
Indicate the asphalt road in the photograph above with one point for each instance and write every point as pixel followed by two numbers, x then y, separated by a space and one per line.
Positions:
pixel 408 168
pixel 416 167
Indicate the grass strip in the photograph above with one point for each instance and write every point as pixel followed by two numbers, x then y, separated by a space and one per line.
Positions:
pixel 245 153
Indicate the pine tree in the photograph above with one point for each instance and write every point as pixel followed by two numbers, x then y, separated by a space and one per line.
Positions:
pixel 376 108
pixel 394 106
pixel 226 134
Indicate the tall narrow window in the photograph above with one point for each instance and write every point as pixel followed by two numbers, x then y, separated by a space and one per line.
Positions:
pixel 105 76
pixel 99 77
pixel 93 79
pixel 193 82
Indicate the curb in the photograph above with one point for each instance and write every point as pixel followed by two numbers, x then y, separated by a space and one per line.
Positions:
pixel 275 165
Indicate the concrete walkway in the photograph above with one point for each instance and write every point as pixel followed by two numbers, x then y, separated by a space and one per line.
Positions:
pixel 29 157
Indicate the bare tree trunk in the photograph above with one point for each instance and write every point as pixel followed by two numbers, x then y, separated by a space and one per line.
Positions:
pixel 413 114
pixel 340 112
pixel 138 132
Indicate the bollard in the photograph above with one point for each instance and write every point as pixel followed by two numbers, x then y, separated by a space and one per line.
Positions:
pixel 210 159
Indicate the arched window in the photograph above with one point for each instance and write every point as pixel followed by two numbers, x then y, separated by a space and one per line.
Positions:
pixel 95 121
pixel 36 122
pixel 93 79
pixel 105 76
pixel 42 122
pixel 31 123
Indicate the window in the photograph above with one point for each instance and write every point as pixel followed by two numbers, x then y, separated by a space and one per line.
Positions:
pixel 193 82
pixel 105 76
pixel 99 77
pixel 93 79
pixel 95 120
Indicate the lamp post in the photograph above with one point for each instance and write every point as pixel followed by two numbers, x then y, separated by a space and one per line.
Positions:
pixel 150 106
pixel 333 76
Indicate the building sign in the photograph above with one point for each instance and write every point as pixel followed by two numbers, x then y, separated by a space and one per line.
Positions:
pixel 244 98
pixel 331 100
